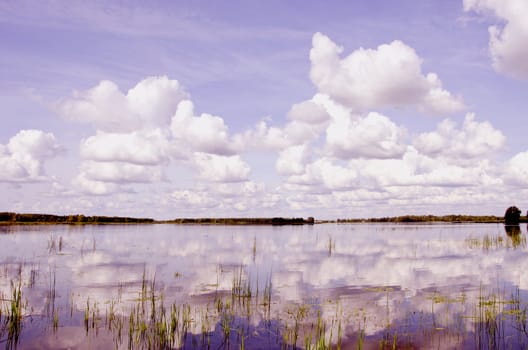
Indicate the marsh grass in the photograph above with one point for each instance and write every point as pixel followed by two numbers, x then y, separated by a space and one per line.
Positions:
pixel 242 317
pixel 11 314
pixel 493 242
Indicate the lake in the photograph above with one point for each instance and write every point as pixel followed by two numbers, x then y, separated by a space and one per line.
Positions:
pixel 348 286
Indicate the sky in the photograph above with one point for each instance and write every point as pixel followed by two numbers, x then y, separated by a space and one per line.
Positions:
pixel 332 109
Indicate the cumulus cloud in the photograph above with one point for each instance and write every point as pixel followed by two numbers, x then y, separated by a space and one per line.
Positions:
pixel 138 147
pixel 387 76
pixel 373 136
pixel 22 159
pixel 372 179
pixel 94 187
pixel 507 43
pixel 472 140
pixel 151 103
pixel 204 133
pixel 309 112
pixel 212 167
pixel 193 199
pixel 516 169
pixel 120 172
pixel 132 139
pixel 263 136
pixel 415 169
pixel 333 150
pixel 324 173
pixel 140 132
pixel 226 198
pixel 292 160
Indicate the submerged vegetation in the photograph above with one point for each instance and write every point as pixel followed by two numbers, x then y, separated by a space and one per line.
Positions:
pixel 185 296
pixel 244 317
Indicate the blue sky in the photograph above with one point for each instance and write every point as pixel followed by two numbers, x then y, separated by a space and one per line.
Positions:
pixel 329 109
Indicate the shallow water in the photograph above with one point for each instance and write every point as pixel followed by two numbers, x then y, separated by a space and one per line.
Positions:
pixel 329 285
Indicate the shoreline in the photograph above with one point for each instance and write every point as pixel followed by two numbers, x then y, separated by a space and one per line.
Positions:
pixel 11 218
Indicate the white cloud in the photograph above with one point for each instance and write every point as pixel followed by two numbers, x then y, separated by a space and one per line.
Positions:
pixel 326 174
pixel 22 159
pixel 416 169
pixel 263 136
pixel 137 147
pixel 92 187
pixel 373 136
pixel 217 168
pixel 193 199
pixel 309 112
pixel 155 99
pixel 132 140
pixel 516 169
pixel 508 41
pixel 141 132
pixel 149 104
pixel 119 172
pixel 292 160
pixel 226 198
pixel 204 133
pixel 473 140
pixel 387 76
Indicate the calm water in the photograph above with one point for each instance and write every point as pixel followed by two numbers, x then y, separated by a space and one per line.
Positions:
pixel 332 285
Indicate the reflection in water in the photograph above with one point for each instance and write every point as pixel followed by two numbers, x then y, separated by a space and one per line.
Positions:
pixel 350 285
pixel 514 232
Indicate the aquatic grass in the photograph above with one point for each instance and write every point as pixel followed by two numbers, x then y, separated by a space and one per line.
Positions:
pixel 489 242
pixel 331 245
pixel 14 317
pixel 240 315
pixel 254 249
pixel 11 317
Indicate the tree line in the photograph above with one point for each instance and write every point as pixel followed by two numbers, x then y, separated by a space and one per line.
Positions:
pixel 16 218
pixel 8 218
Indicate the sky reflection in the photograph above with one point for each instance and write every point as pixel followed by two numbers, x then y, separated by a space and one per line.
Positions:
pixel 375 274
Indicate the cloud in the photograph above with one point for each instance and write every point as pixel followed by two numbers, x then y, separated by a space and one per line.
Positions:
pixel 217 168
pixel 309 112
pixel 507 43
pixel 22 159
pixel 245 196
pixel 292 160
pixel 263 136
pixel 119 172
pixel 474 140
pixel 373 136
pixel 150 104
pixel 516 169
pixel 93 187
pixel 137 147
pixel 204 133
pixel 141 132
pixel 323 173
pixel 415 169
pixel 385 77
pixel 193 199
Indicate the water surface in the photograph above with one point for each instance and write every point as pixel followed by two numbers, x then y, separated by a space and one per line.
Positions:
pixel 330 285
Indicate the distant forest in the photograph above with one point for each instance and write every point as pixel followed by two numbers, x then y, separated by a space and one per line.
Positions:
pixel 433 218
pixel 15 218
pixel 8 218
